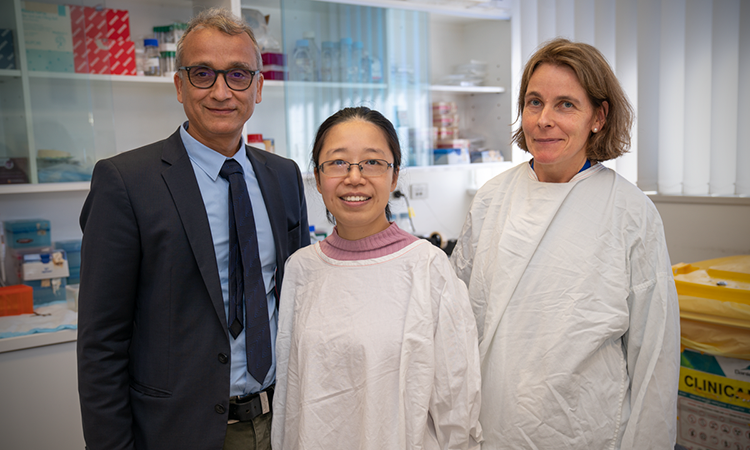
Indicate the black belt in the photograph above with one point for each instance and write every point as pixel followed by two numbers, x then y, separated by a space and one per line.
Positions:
pixel 248 408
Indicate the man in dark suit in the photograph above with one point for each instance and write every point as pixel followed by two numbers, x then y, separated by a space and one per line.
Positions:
pixel 157 365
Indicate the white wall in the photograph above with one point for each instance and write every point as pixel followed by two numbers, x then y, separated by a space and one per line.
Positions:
pixel 700 228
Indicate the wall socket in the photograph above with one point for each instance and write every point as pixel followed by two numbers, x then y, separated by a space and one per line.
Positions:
pixel 418 191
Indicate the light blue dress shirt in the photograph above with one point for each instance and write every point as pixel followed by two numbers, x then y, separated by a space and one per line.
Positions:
pixel 215 192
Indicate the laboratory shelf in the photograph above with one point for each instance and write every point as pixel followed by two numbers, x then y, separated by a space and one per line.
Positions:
pixel 468 89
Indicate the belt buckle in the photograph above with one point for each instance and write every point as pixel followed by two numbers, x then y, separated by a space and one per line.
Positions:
pixel 264 406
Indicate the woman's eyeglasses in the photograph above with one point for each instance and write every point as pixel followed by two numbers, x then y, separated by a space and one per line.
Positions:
pixel 367 167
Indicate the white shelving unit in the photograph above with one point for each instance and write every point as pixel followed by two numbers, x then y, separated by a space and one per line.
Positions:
pixel 467 89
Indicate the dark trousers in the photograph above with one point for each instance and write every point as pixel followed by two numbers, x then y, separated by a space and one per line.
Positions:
pixel 251 435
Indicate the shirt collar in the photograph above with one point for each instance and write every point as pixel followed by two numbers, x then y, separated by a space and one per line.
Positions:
pixel 209 160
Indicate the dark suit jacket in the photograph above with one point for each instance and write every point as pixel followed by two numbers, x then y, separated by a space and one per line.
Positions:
pixel 153 346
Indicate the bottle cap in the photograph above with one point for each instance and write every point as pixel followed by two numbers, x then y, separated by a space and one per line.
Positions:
pixel 151 42
pixel 254 138
pixel 302 43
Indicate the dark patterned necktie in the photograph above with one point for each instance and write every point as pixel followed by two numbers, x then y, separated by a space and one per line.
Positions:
pixel 245 276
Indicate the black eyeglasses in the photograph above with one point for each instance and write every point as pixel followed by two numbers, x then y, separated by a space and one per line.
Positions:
pixel 204 77
pixel 367 167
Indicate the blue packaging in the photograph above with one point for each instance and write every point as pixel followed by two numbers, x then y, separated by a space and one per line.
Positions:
pixel 48 290
pixel 72 250
pixel 20 234
pixel 7 50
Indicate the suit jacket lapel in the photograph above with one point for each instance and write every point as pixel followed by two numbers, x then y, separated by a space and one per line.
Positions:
pixel 180 179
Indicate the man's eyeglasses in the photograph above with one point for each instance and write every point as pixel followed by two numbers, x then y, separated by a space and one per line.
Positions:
pixel 204 77
pixel 367 167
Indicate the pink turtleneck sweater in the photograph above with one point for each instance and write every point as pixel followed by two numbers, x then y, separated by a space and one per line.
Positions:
pixel 388 241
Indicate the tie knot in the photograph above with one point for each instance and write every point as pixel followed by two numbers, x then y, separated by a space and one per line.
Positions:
pixel 230 167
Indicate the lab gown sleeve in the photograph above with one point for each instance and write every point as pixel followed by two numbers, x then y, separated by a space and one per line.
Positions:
pixel 651 343
pixel 456 397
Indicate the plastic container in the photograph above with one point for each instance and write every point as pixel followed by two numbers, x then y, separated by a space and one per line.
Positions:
pixel 357 68
pixel 329 62
pixel 166 63
pixel 17 299
pixel 48 290
pixel 21 234
pixel 314 51
pixel 302 66
pixel 73 252
pixel 151 67
pixel 255 140
pixel 714 383
pixel 714 300
pixel 345 61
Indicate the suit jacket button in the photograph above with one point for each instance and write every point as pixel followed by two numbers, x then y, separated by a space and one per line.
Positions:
pixel 223 358
pixel 219 409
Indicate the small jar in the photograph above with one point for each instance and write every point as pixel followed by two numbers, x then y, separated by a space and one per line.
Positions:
pixel 151 58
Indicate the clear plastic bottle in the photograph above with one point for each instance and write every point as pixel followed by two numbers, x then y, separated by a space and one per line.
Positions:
pixel 345 60
pixel 151 58
pixel 376 70
pixel 314 51
pixel 356 68
pixel 302 64
pixel 328 61
pixel 366 68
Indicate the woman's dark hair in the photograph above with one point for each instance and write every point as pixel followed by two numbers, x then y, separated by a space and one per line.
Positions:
pixel 365 114
pixel 600 83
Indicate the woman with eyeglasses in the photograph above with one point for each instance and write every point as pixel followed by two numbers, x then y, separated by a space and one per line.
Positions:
pixel 377 345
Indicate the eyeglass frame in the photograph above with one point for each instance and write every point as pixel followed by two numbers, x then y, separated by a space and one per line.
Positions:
pixel 388 165
pixel 217 72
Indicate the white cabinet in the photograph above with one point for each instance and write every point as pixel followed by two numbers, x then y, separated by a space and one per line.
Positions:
pixel 485 111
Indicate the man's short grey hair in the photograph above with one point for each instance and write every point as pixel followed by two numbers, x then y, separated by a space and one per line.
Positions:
pixel 222 20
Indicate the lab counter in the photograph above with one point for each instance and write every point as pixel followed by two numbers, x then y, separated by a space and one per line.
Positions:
pixel 39 392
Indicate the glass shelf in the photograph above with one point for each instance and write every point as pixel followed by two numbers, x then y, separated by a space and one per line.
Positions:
pixel 468 89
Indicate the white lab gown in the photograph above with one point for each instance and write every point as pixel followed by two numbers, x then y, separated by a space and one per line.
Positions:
pixel 376 354
pixel 577 313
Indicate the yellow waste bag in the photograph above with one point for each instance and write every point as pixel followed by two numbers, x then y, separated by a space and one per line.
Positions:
pixel 714 300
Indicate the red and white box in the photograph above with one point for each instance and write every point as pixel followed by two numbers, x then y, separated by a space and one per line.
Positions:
pixel 90 21
pixel 96 57
pixel 107 57
pixel 118 24
pixel 101 41
pixel 122 58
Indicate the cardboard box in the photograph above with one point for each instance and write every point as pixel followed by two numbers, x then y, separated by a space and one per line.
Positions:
pixel 101 41
pixel 118 24
pixel 48 37
pixel 7 50
pixel 100 23
pixel 42 266
pixel 106 57
pixel 122 58
pixel 14 170
pixel 713 407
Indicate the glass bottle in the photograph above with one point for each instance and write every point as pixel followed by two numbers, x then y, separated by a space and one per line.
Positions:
pixel 151 60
